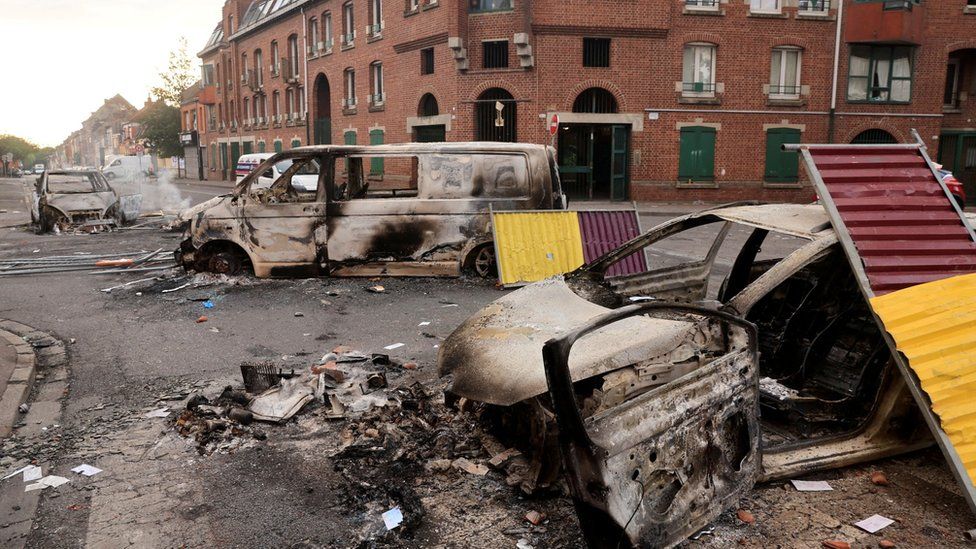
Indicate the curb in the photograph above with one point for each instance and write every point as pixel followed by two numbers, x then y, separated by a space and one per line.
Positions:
pixel 31 347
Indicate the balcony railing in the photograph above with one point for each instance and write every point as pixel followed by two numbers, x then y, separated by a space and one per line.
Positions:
pixel 698 87
pixel 784 90
pixel 814 5
pixel 711 4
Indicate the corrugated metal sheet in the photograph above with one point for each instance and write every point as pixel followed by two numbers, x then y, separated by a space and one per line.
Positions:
pixel 603 231
pixel 934 326
pixel 903 225
pixel 533 246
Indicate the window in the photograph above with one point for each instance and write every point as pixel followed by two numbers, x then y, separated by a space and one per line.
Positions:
pixel 247 110
pixel 293 58
pixel 596 52
pixel 295 143
pixel 313 36
pixel 244 75
pixel 782 166
pixel 259 68
pixel 350 81
pixel 274 58
pixel 327 30
pixel 276 106
pixel 698 74
pixel 494 123
pixel 348 25
pixel 880 74
pixel 495 54
pixel 703 5
pixel 490 5
pixel 784 74
pixel 376 80
pixel 427 61
pixel 262 147
pixel 428 106
pixel 375 17
pixel 290 103
pixel 208 75
pixel 875 136
pixel 764 6
pixel 413 5
pixel 950 99
pixel 816 6
pixel 595 100
pixel 696 160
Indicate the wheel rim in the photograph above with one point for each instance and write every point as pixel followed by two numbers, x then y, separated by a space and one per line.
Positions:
pixel 484 262
pixel 224 263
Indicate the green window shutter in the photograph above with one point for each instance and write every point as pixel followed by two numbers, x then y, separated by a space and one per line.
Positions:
pixel 706 161
pixel 277 145
pixel 349 138
pixel 781 166
pixel 248 147
pixel 376 163
pixel 686 155
pixel 213 156
pixel 696 158
pixel 295 143
pixel 261 147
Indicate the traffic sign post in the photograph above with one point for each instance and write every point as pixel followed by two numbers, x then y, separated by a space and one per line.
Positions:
pixel 553 128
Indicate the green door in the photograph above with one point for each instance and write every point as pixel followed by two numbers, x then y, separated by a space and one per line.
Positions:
pixel 248 147
pixel 431 134
pixel 696 160
pixel 278 146
pixel 323 131
pixel 376 163
pixel 235 153
pixel 618 167
pixel 262 147
pixel 223 161
pixel 782 166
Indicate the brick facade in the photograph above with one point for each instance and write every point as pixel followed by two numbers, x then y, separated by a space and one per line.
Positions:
pixel 546 74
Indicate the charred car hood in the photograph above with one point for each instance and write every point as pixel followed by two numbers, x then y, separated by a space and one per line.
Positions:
pixel 496 354
pixel 188 214
pixel 68 203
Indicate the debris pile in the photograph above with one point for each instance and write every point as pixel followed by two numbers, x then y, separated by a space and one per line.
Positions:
pixel 130 262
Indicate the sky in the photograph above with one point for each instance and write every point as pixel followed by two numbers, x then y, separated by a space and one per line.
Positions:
pixel 62 58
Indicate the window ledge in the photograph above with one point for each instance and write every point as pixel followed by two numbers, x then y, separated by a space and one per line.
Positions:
pixel 767 15
pixel 969 10
pixel 430 6
pixel 816 15
pixel 348 46
pixel 782 102
pixel 951 110
pixel 703 11
pixel 408 13
pixel 697 184
pixel 374 38
pixel 377 108
pixel 491 12
pixel 692 100
pixel 782 185
pixel 348 112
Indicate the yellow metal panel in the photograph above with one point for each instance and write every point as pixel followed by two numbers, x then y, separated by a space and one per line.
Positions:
pixel 533 246
pixel 934 326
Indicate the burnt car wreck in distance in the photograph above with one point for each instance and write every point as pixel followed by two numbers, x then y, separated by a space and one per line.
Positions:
pixel 79 199
pixel 667 431
pixel 412 210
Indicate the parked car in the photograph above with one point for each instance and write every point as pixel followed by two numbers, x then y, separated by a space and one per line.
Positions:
pixel 38 169
pixel 676 389
pixel 305 180
pixel 69 199
pixel 404 210
pixel 127 167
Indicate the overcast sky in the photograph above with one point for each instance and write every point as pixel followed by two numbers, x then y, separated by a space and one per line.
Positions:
pixel 62 58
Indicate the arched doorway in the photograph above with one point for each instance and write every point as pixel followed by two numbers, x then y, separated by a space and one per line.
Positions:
pixel 323 111
pixel 495 116
pixel 429 133
pixel 593 154
pixel 874 136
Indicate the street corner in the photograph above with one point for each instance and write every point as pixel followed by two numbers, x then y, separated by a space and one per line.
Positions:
pixel 34 367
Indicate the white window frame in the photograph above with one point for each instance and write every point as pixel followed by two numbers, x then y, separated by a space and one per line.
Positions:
pixel 313 36
pixel 348 24
pixel 375 17
pixel 349 77
pixel 327 28
pixel 378 96
pixel 259 67
pixel 778 9
pixel 782 50
pixel 699 47
pixel 810 10
pixel 274 58
pixel 702 5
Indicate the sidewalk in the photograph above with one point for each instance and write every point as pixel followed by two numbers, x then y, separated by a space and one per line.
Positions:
pixel 17 363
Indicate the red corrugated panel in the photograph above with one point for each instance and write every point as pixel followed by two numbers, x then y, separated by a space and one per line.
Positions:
pixel 902 223
pixel 603 231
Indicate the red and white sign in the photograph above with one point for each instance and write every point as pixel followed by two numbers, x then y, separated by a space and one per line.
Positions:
pixel 554 124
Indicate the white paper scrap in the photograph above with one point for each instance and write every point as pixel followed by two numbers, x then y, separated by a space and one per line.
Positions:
pixel 811 485
pixel 15 473
pixel 424 323
pixel 50 481
pixel 874 523
pixel 87 470
pixel 393 518
pixel 162 412
pixel 394 346
pixel 35 486
pixel 32 473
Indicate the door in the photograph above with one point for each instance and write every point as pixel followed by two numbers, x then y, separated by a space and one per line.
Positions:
pixel 223 161
pixel 618 170
pixel 696 160
pixel 782 166
pixel 659 466
pixel 323 131
pixel 431 134
pixel 235 154
pixel 248 147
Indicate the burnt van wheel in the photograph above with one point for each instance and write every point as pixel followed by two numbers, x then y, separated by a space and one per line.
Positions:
pixel 227 263
pixel 484 262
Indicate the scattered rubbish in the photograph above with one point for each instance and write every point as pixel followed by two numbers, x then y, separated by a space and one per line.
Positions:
pixel 32 473
pixel 706 531
pixel 95 264
pixel 878 478
pixel 746 516
pixel 410 366
pixel 50 481
pixel 886 544
pixel 874 523
pixel 449 305
pixel 835 544
pixel 75 507
pixel 23 408
pixel 811 485
pixel 202 319
pixel 523 543
pixel 376 289
pixel 262 376
pixel 393 518
pixel 535 517
pixel 87 470
pixel 176 289
pixel 127 284
pixel 284 401
pixel 161 412
pixel 114 263
pixel 499 460
pixel 208 304
pixel 394 346
pixel 240 415
pixel 463 464
pixel 422 324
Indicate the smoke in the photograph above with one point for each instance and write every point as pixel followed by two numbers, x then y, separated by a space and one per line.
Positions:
pixel 159 194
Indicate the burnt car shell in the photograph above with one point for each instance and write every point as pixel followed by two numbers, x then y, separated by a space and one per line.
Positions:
pixel 79 198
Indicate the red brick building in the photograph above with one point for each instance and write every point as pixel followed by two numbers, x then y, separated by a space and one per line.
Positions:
pixel 656 99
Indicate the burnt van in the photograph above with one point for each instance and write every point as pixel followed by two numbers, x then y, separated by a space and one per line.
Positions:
pixel 418 209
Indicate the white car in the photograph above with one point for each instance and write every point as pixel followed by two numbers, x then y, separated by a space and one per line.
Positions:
pixel 307 179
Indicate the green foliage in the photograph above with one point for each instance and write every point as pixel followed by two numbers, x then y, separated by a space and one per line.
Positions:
pixel 161 129
pixel 179 76
pixel 23 150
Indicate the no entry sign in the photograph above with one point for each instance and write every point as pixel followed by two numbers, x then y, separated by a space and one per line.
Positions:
pixel 554 125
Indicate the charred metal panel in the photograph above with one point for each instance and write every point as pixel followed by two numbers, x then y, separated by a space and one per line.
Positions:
pixel 533 246
pixel 661 466
pixel 603 231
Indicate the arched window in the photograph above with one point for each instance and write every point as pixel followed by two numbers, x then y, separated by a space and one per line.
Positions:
pixel 313 36
pixel 596 100
pixel 493 124
pixel 428 105
pixel 874 136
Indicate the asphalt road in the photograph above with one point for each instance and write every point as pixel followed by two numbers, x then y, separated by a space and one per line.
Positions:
pixel 134 349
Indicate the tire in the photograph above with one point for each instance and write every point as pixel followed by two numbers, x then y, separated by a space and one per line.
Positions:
pixel 482 262
pixel 228 263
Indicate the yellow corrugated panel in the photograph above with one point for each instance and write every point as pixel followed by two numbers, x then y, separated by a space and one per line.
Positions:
pixel 533 246
pixel 934 326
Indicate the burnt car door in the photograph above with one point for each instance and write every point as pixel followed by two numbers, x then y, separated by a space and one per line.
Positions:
pixel 284 226
pixel 655 469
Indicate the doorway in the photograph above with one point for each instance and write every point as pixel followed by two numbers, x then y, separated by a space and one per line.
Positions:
pixel 323 111
pixel 593 160
pixel 957 153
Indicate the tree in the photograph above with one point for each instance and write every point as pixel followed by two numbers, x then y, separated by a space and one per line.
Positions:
pixel 23 150
pixel 161 129
pixel 177 78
